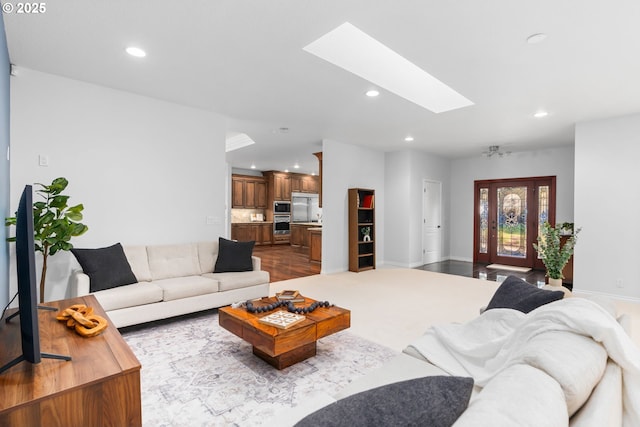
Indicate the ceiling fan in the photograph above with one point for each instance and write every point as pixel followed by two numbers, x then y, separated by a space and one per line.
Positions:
pixel 495 150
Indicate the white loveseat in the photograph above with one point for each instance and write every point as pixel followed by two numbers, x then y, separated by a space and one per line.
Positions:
pixel 173 280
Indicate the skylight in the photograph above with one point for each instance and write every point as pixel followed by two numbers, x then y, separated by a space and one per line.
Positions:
pixel 355 51
pixel 238 141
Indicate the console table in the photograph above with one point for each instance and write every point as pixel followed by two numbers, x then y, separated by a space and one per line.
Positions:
pixel 100 386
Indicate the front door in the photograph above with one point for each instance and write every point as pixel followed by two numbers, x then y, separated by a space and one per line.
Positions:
pixel 508 217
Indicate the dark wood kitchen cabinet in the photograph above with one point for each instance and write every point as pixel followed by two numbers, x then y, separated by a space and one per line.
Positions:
pixel 248 192
pixel 261 233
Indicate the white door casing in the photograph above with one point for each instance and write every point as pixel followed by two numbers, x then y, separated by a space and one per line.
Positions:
pixel 431 221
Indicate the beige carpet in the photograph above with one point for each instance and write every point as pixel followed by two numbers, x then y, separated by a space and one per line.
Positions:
pixel 394 306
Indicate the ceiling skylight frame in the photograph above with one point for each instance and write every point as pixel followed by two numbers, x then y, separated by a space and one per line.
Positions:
pixel 355 51
pixel 238 141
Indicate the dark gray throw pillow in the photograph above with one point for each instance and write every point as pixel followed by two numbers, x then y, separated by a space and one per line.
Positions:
pixel 106 267
pixel 519 295
pixel 435 401
pixel 234 256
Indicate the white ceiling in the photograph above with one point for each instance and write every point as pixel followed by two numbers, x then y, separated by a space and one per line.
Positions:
pixel 244 59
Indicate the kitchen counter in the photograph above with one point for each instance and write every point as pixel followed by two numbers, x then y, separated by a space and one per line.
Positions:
pixel 253 222
pixel 314 224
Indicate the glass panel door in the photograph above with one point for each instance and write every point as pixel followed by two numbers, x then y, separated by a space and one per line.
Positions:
pixel 508 217
pixel 511 213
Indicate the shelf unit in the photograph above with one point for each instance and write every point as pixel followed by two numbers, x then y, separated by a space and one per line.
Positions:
pixel 362 253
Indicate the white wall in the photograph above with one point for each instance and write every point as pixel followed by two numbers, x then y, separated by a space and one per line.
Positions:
pixel 147 171
pixel 347 166
pixel 607 205
pixel 557 161
pixel 405 173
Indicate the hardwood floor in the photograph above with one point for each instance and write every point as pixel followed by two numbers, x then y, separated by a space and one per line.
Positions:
pixel 285 262
pixel 480 271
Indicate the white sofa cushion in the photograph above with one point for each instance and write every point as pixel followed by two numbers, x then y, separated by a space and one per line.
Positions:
pixel 237 280
pixel 139 262
pixel 576 362
pixel 207 255
pixel 184 287
pixel 129 296
pixel 167 261
pixel 520 396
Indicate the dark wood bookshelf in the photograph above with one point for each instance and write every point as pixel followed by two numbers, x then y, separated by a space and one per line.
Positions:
pixel 362 253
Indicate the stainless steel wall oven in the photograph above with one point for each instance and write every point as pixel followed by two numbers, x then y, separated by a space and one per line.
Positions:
pixel 281 224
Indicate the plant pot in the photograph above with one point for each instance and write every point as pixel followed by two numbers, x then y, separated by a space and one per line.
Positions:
pixel 555 282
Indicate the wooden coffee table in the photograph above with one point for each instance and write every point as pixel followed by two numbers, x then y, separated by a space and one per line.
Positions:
pixel 284 347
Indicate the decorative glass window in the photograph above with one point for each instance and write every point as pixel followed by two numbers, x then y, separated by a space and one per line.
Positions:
pixel 512 222
pixel 484 220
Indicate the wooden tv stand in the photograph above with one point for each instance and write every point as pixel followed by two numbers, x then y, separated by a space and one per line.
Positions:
pixel 100 386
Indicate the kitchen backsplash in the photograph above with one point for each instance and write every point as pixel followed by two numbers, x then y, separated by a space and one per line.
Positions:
pixel 244 215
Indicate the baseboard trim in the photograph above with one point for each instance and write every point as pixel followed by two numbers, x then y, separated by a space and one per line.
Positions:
pixel 605 294
pixel 453 258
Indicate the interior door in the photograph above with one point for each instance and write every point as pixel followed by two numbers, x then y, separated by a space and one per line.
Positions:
pixel 431 222
pixel 508 217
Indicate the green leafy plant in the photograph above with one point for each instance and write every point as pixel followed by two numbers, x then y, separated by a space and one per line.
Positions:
pixel 54 223
pixel 555 255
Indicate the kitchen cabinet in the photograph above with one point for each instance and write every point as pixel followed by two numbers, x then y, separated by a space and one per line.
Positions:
pixel 248 192
pixel 266 234
pixel 282 187
pixel 315 249
pixel 278 187
pixel 301 183
pixel 309 184
pixel 300 234
pixel 296 183
pixel 296 235
pixel 261 233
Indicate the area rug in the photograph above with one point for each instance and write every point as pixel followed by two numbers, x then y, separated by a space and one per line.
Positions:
pixel 509 267
pixel 194 373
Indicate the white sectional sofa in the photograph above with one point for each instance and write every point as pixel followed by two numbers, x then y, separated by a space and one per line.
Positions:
pixel 173 280
pixel 569 362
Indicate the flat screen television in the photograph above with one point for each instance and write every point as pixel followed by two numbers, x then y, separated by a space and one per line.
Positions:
pixel 27 291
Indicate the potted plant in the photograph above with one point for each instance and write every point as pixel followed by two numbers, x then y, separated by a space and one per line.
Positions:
pixel 54 223
pixel 552 252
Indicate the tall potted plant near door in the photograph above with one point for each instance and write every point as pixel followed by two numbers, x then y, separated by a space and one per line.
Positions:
pixel 55 223
pixel 552 252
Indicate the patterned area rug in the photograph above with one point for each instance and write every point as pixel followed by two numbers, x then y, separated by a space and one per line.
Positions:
pixel 194 373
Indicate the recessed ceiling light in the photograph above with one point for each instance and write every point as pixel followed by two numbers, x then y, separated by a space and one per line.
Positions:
pixel 372 93
pixel 296 166
pixel 536 38
pixel 286 170
pixel 357 52
pixel 540 114
pixel 409 139
pixel 253 166
pixel 313 174
pixel 136 51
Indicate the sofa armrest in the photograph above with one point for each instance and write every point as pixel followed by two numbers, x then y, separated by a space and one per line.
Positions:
pixel 257 263
pixel 79 284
